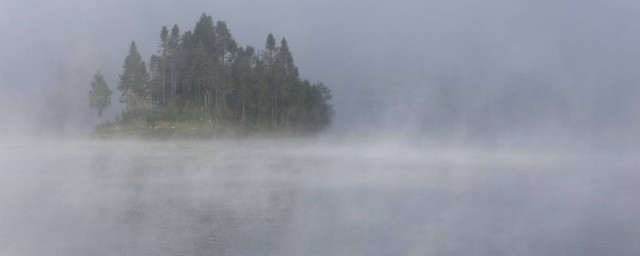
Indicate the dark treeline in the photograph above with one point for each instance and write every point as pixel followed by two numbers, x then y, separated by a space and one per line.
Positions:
pixel 203 75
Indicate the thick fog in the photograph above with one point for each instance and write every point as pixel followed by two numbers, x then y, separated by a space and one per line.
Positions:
pixel 456 70
pixel 462 128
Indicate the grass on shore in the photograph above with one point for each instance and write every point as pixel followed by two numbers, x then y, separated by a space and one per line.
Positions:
pixel 186 130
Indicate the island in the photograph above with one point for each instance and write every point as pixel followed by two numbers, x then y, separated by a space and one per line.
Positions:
pixel 201 83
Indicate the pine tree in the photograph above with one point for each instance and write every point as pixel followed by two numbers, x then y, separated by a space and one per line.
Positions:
pixel 100 94
pixel 286 76
pixel 320 113
pixel 205 33
pixel 271 45
pixel 164 39
pixel 242 73
pixel 156 83
pixel 200 75
pixel 133 80
pixel 271 77
pixel 174 39
pixel 225 45
pixel 262 96
pixel 225 50
pixel 183 59
pixel 205 74
pixel 172 62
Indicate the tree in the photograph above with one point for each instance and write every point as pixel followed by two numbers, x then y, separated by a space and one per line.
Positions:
pixel 205 33
pixel 100 94
pixel 199 75
pixel 271 45
pixel 320 113
pixel 286 59
pixel 225 50
pixel 261 93
pixel 270 77
pixel 164 39
pixel 286 77
pixel 225 45
pixel 156 84
pixel 172 55
pixel 182 61
pixel 174 40
pixel 204 74
pixel 133 79
pixel 242 74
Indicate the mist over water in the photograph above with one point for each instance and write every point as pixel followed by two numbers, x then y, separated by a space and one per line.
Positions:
pixel 462 128
pixel 452 70
pixel 304 196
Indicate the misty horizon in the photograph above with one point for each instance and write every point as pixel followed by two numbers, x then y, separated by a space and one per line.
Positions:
pixel 435 69
pixel 461 128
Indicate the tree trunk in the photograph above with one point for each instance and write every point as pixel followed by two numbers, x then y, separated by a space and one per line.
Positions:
pixel 275 112
pixel 215 98
pixel 243 110
pixel 259 113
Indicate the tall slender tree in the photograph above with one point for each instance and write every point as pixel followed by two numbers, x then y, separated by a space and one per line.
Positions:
pixel 286 76
pixel 200 75
pixel 262 96
pixel 99 95
pixel 183 60
pixel 225 50
pixel 133 79
pixel 271 77
pixel 242 73
pixel 270 45
pixel 164 39
pixel 156 83
pixel 172 61
pixel 225 45
pixel 205 33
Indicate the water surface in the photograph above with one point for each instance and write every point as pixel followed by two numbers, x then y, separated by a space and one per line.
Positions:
pixel 306 197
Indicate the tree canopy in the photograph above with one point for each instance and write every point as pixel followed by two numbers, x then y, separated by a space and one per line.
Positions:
pixel 205 75
pixel 100 94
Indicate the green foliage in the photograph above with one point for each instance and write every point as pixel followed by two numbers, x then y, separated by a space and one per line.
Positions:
pixel 156 83
pixel 204 33
pixel 205 77
pixel 100 94
pixel 133 80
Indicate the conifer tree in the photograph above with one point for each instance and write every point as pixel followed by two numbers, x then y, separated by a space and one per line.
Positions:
pixel 183 59
pixel 156 83
pixel 199 75
pixel 286 77
pixel 225 49
pixel 100 94
pixel 164 39
pixel 172 62
pixel 133 79
pixel 205 74
pixel 272 78
pixel 205 33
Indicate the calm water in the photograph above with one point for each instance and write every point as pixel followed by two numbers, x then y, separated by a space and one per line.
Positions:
pixel 300 197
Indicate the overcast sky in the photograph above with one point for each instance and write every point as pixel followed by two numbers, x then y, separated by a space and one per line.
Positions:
pixel 437 67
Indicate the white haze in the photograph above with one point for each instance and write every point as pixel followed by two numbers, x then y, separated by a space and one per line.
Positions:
pixel 492 71
pixel 304 197
pixel 462 128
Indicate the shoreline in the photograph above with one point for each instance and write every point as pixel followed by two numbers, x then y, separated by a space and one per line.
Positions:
pixel 193 131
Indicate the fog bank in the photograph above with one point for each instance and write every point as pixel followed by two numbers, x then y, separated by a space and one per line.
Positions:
pixel 446 70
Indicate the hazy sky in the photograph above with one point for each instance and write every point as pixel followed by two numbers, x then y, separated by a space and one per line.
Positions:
pixel 440 67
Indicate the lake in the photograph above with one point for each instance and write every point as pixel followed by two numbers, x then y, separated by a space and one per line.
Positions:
pixel 309 197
